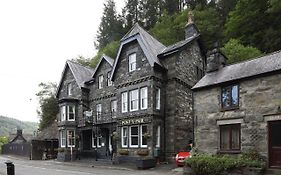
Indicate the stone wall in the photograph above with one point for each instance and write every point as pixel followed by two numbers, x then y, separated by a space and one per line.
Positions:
pixel 258 97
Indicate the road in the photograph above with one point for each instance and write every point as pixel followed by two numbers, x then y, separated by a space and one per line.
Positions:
pixel 51 167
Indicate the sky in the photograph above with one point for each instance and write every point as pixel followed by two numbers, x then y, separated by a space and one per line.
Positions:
pixel 36 38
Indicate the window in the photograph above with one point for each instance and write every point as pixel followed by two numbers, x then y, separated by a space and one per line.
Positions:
pixel 100 82
pixel 124 136
pixel 71 138
pixel 109 82
pixel 124 102
pixel 69 89
pixel 62 138
pixel 71 113
pixel 134 136
pixel 143 94
pixel 132 62
pixel 99 141
pixel 134 100
pixel 113 108
pixel 158 136
pixel 144 136
pixel 230 97
pixel 230 137
pixel 94 144
pixel 158 93
pixel 62 113
pixel 98 111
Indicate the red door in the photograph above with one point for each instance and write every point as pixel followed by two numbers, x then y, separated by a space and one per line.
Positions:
pixel 274 129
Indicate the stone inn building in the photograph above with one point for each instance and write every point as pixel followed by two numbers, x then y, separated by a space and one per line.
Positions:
pixel 237 108
pixel 139 103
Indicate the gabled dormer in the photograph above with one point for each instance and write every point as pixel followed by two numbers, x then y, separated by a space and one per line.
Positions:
pixel 137 56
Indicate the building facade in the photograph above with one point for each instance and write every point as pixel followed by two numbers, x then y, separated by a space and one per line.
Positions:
pixel 237 107
pixel 139 102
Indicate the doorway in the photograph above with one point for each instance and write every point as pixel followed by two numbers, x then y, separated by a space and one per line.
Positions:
pixel 274 138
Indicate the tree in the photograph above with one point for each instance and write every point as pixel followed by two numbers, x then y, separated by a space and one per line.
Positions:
pixel 110 28
pixel 82 60
pixel 253 23
pixel 150 12
pixel 131 13
pixel 236 52
pixel 48 104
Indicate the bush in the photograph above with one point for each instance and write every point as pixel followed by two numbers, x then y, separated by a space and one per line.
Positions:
pixel 202 164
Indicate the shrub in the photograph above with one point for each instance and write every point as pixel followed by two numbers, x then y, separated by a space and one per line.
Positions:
pixel 123 152
pixel 202 164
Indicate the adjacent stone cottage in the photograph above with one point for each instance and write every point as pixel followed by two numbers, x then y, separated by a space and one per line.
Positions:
pixel 238 107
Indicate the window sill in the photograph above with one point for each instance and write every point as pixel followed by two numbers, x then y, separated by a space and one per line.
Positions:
pixel 229 152
pixel 229 109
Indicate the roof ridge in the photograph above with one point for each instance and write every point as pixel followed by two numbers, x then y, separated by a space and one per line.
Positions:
pixel 88 67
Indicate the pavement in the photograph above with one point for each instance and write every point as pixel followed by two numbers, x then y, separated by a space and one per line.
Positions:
pixel 160 169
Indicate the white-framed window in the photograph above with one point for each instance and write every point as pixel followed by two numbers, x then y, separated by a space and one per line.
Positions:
pixel 158 132
pixel 99 111
pixel 124 136
pixel 71 113
pixel 62 113
pixel 134 100
pixel 94 140
pixel 132 62
pixel 70 138
pixel 143 96
pixel 69 89
pixel 62 138
pixel 99 141
pixel 109 82
pixel 144 136
pixel 113 108
pixel 158 95
pixel 124 101
pixel 100 82
pixel 134 136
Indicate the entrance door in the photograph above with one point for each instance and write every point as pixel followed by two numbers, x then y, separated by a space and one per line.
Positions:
pixel 274 129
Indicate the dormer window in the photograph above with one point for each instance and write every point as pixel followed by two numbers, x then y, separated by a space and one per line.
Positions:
pixel 69 89
pixel 100 82
pixel 132 62
pixel 230 97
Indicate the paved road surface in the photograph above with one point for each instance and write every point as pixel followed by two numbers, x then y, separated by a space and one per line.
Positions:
pixel 31 167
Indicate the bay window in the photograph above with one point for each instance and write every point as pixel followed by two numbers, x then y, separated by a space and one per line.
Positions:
pixel 144 136
pixel 71 113
pixel 134 136
pixel 134 100
pixel 124 101
pixel 124 136
pixel 62 113
pixel 143 94
pixel 71 138
pixel 62 138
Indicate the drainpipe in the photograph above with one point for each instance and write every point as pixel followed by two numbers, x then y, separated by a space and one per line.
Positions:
pixel 193 118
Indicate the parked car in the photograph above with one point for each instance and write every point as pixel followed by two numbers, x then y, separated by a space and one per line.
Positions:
pixel 181 156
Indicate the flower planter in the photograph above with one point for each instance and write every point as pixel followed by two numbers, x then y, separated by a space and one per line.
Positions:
pixel 146 163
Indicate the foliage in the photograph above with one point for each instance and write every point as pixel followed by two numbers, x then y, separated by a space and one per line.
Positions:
pixel 109 50
pixel 142 152
pixel 48 104
pixel 110 28
pixel 3 140
pixel 123 151
pixel 9 126
pixel 82 60
pixel 217 164
pixel 236 52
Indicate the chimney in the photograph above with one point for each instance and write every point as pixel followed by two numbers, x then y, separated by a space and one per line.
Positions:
pixel 215 60
pixel 190 28
pixel 19 132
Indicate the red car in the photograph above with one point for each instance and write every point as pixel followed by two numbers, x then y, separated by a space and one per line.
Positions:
pixel 180 157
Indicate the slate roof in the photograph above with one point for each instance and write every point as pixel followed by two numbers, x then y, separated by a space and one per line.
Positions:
pixel 80 73
pixel 106 58
pixel 174 47
pixel 266 64
pixel 150 46
pixel 49 133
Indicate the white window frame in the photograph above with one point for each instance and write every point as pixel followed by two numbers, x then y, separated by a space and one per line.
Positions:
pixel 124 103
pixel 99 141
pixel 141 136
pixel 113 108
pixel 134 98
pixel 99 111
pixel 62 113
pixel 158 98
pixel 72 112
pixel 124 136
pixel 132 62
pixel 93 140
pixel 158 136
pixel 62 137
pixel 68 138
pixel 109 82
pixel 100 82
pixel 144 98
pixel 69 89
pixel 130 136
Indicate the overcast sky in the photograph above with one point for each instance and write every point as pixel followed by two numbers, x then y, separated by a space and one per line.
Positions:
pixel 36 38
